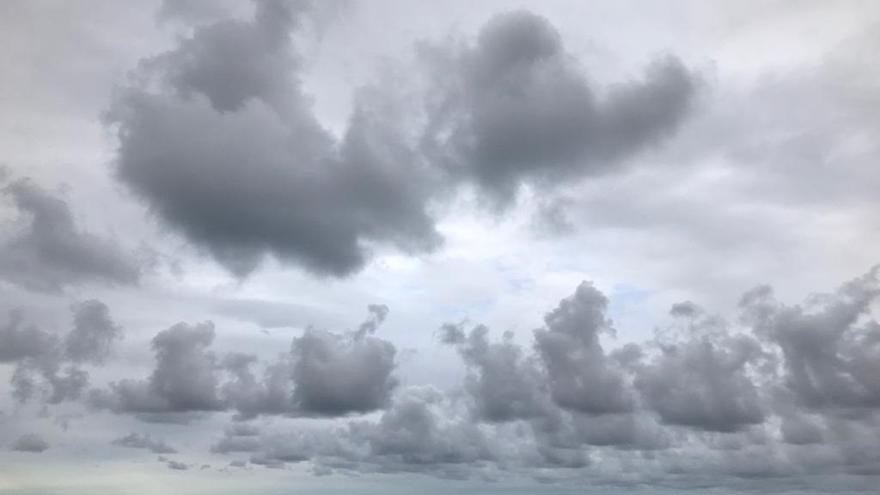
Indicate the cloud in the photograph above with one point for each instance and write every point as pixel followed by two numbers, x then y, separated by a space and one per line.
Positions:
pixel 705 384
pixel 336 375
pixel 239 438
pixel 93 334
pixel 18 342
pixel 581 377
pixel 417 433
pixel 220 141
pixel 44 363
pixel 324 374
pixel 515 107
pixel 137 441
pixel 830 346
pixel 176 465
pixel 504 384
pixel 30 442
pixel 227 152
pixel 779 391
pixel 49 251
pixel 184 379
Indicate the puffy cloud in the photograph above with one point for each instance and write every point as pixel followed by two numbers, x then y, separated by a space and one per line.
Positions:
pixel 503 383
pixel 581 377
pixel 93 334
pixel 49 252
pixel 219 139
pixel 706 398
pixel 227 106
pixel 184 379
pixel 515 107
pixel 30 442
pixel 336 375
pixel 705 384
pixel 138 441
pixel 830 346
pixel 324 374
pixel 44 366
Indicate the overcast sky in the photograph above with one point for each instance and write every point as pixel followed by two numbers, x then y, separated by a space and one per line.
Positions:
pixel 403 247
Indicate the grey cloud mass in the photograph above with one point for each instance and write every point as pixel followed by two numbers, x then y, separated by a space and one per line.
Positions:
pixel 228 106
pixel 581 376
pixel 30 442
pixel 323 374
pixel 780 391
pixel 93 333
pixel 47 251
pixel 515 107
pixel 184 379
pixel 48 365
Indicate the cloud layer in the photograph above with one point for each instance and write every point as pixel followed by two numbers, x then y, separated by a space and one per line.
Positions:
pixel 780 392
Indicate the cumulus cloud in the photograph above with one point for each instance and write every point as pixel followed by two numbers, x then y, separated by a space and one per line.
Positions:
pixel 184 379
pixel 515 107
pixel 220 140
pixel 227 105
pixel 324 374
pixel 48 251
pixel 48 365
pixel 740 400
pixel 503 382
pixel 581 377
pixel 335 375
pixel 30 442
pixel 93 333
pixel 830 346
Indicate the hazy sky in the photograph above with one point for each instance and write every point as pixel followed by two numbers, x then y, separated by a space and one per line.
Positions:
pixel 415 247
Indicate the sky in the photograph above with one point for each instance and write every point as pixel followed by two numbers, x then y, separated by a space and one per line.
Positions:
pixel 497 247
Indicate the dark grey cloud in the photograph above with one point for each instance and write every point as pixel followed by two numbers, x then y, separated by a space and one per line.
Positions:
pixel 336 375
pixel 705 384
pixel 830 345
pixel 225 150
pixel 581 376
pixel 515 107
pixel 44 365
pixel 138 441
pixel 503 382
pixel 48 251
pixel 217 136
pixel 93 335
pixel 176 465
pixel 184 380
pixel 251 396
pixel 30 442
pixel 323 374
